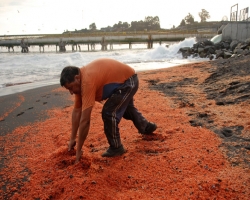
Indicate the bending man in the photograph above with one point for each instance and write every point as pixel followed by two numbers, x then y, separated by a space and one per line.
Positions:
pixel 100 80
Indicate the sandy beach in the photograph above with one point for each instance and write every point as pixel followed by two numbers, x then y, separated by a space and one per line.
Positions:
pixel 201 149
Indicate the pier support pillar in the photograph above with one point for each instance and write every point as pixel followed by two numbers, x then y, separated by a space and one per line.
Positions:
pixel 62 45
pixel 10 47
pixel 150 42
pixel 111 46
pixel 104 44
pixel 41 46
pixel 104 47
pixel 24 46
pixel 25 50
pixel 92 46
pixel 79 48
pixel 130 45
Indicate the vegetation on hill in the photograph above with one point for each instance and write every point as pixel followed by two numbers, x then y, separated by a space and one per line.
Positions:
pixel 151 23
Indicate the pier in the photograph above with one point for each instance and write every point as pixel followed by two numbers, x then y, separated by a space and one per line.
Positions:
pixel 106 40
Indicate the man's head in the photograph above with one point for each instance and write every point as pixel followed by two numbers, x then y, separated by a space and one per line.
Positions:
pixel 70 79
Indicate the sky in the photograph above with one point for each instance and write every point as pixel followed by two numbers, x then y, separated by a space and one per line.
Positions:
pixel 56 16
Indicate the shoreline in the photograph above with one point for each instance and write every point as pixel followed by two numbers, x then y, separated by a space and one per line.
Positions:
pixel 19 88
pixel 199 150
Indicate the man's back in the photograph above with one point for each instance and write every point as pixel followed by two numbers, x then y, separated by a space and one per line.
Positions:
pixel 101 77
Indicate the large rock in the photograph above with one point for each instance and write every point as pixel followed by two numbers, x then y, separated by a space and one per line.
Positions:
pixel 219 53
pixel 238 51
pixel 209 49
pixel 207 43
pixel 184 49
pixel 200 49
pixel 226 45
pixel 202 54
pixel 246 52
pixel 227 54
pixel 217 46
pixel 244 46
pixel 233 44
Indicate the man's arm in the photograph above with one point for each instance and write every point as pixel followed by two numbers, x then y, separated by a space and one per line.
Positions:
pixel 76 116
pixel 83 131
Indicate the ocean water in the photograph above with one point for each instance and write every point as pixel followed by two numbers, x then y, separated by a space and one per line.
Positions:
pixel 23 71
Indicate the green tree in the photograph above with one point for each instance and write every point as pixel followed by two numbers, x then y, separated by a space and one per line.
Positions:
pixel 183 23
pixel 138 25
pixel 204 15
pixel 121 26
pixel 92 27
pixel 125 25
pixel 152 23
pixel 189 19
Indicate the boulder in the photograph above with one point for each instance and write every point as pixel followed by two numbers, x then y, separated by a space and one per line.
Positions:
pixel 227 54
pixel 202 54
pixel 212 50
pixel 228 40
pixel 246 52
pixel 233 44
pixel 200 50
pixel 225 45
pixel 219 53
pixel 185 54
pixel 184 49
pixel 234 55
pixel 211 57
pixel 244 46
pixel 238 51
pixel 207 43
pixel 195 55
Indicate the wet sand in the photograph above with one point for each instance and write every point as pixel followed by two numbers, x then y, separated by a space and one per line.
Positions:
pixel 29 106
pixel 199 151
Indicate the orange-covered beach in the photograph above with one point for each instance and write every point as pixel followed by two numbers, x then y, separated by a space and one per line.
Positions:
pixel 200 150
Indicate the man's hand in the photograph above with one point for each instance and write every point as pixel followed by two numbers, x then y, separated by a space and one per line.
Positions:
pixel 78 156
pixel 72 144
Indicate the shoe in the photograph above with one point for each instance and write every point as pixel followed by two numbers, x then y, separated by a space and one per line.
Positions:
pixel 112 152
pixel 150 128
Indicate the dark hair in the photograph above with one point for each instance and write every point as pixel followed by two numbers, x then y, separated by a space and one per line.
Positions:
pixel 68 74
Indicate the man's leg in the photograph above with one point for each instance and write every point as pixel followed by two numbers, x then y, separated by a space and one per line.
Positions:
pixel 143 126
pixel 113 111
pixel 134 115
